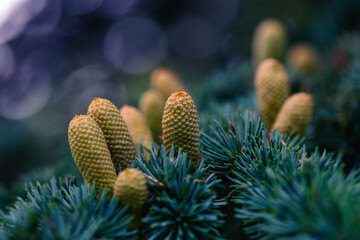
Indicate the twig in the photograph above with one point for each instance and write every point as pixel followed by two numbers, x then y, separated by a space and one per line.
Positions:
pixel 156 181
pixel 231 125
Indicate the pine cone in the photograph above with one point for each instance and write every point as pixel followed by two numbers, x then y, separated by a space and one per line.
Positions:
pixel 90 152
pixel 165 81
pixel 295 114
pixel 272 88
pixel 180 125
pixel 303 58
pixel 118 139
pixel 152 105
pixel 131 190
pixel 138 127
pixel 269 41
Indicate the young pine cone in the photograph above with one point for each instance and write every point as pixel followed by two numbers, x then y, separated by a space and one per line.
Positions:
pixel 269 41
pixel 180 125
pixel 131 190
pixel 165 81
pixel 138 127
pixel 303 58
pixel 272 89
pixel 90 152
pixel 118 139
pixel 152 104
pixel 295 114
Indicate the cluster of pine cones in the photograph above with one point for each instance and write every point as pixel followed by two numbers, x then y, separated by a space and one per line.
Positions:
pixel 104 142
pixel 278 110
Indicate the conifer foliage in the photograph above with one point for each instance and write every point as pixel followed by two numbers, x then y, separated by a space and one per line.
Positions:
pixel 184 204
pixel 63 209
pixel 281 191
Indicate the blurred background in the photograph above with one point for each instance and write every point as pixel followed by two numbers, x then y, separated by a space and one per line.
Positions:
pixel 57 55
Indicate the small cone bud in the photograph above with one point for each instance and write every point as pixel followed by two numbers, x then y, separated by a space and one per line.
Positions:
pixel 303 58
pixel 152 105
pixel 90 152
pixel 181 125
pixel 138 127
pixel 118 139
pixel 295 114
pixel 269 41
pixel 165 81
pixel 131 190
pixel 272 88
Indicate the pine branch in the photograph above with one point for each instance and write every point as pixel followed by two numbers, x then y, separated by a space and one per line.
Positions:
pixel 314 201
pixel 349 45
pixel 225 143
pixel 183 205
pixel 278 189
pixel 61 209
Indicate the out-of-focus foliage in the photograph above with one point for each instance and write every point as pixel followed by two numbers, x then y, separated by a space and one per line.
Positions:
pixel 8 194
pixel 230 110
pixel 346 50
pixel 336 114
pixel 223 85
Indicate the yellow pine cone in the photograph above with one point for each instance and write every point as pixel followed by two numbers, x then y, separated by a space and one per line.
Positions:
pixel 295 114
pixel 303 58
pixel 165 81
pixel 90 152
pixel 269 41
pixel 138 127
pixel 180 125
pixel 152 105
pixel 130 189
pixel 118 139
pixel 272 88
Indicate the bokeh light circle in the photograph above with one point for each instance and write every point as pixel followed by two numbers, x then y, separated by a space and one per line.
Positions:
pixel 217 12
pixel 116 7
pixel 14 18
pixel 49 16
pixel 78 7
pixel 26 93
pixel 194 37
pixel 135 45
pixel 7 62
pixel 88 82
